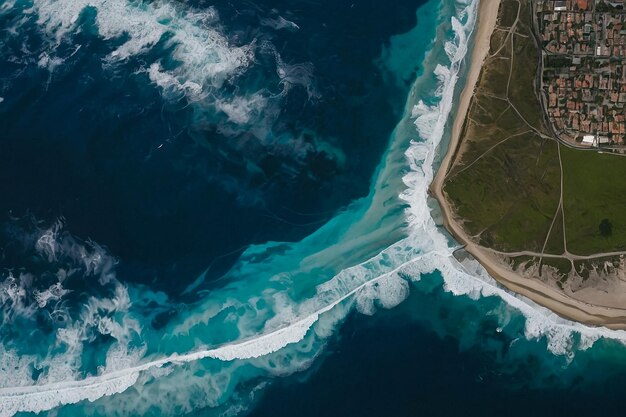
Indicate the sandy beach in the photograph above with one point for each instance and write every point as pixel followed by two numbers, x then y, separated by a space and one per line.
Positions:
pixel 555 300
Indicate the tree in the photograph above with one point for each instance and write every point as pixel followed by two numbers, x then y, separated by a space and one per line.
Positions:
pixel 606 228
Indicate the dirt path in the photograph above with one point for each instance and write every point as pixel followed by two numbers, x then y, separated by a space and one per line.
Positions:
pixel 549 297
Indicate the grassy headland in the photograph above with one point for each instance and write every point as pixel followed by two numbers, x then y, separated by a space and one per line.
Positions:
pixel 505 180
pixel 541 208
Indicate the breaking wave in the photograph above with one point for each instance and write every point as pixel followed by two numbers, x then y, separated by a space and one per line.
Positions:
pixel 282 301
pixel 227 95
pixel 201 58
pixel 181 50
pixel 470 278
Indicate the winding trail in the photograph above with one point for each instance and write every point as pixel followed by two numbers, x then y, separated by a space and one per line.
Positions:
pixel 557 301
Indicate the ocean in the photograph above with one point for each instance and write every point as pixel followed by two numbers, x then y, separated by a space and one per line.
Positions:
pixel 221 208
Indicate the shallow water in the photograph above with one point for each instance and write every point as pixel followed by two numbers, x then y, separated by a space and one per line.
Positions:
pixel 207 204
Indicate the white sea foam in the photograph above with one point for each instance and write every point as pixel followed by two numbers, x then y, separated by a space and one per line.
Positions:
pixel 58 355
pixel 7 5
pixel 292 75
pixel 242 110
pixel 204 57
pixel 14 298
pixel 47 243
pixel 41 397
pixel 48 62
pixel 279 23
pixel 380 281
pixel 54 293
pixel 430 122
pixel 171 85
pixel 374 278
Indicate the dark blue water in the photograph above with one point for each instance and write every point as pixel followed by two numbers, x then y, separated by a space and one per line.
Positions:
pixel 194 197
pixel 83 141
pixel 420 360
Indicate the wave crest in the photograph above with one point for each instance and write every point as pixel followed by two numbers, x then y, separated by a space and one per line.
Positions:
pixel 294 308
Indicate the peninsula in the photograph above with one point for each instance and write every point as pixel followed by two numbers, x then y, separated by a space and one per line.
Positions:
pixel 534 197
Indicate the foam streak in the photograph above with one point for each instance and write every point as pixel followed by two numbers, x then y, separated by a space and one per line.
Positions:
pixel 38 398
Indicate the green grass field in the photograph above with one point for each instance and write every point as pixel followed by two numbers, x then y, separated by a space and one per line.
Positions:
pixel 505 183
pixel 594 189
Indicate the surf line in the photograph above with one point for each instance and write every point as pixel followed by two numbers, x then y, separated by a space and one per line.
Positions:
pixel 43 397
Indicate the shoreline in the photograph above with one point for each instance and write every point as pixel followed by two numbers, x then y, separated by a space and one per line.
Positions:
pixel 544 295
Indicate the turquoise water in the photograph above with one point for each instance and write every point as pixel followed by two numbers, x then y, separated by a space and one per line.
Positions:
pixel 290 310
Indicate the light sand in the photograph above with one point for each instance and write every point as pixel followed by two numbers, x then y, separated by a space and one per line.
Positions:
pixel 537 291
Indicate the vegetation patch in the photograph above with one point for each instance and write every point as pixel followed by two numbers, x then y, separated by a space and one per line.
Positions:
pixel 594 200
pixel 555 243
pixel 520 263
pixel 562 267
pixel 505 181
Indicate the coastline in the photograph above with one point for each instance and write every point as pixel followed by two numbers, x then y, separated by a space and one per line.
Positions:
pixel 542 294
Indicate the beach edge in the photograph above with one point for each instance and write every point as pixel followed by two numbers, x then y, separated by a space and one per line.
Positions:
pixel 558 302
